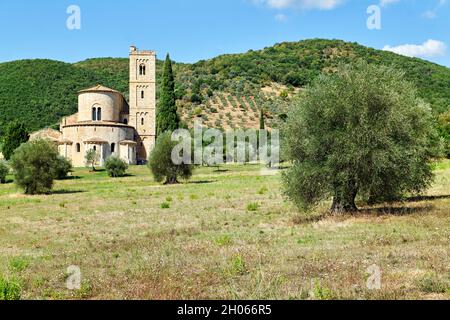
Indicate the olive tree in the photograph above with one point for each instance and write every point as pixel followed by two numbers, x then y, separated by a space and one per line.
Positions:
pixel 362 131
pixel 35 166
pixel 92 158
pixel 4 170
pixel 161 164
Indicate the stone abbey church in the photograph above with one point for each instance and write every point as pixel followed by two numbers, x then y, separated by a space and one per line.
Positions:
pixel 109 124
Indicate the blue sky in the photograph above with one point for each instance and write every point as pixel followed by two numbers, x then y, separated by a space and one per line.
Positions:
pixel 192 30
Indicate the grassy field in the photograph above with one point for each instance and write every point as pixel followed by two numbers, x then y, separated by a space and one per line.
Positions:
pixel 224 235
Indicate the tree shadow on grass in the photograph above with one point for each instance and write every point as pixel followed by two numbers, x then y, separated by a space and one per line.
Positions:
pixel 427 198
pixel 70 178
pixel 201 182
pixel 395 211
pixel 64 191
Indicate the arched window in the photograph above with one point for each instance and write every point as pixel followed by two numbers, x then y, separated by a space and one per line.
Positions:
pixel 95 148
pixel 113 147
pixel 142 70
pixel 99 114
pixel 125 121
pixel 142 121
pixel 142 94
pixel 94 114
pixel 78 147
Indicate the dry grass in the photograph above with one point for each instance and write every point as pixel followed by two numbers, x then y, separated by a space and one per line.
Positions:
pixel 207 244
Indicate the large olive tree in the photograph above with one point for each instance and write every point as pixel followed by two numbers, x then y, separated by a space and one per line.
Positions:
pixel 35 166
pixel 362 131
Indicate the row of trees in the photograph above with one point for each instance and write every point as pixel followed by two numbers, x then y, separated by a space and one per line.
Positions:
pixel 361 133
pixel 36 164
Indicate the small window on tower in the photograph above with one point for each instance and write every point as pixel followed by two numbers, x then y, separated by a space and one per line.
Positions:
pixel 142 121
pixel 142 94
pixel 78 147
pixel 142 70
pixel 113 147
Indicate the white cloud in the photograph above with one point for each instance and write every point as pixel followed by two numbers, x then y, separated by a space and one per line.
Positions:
pixel 384 3
pixel 428 49
pixel 433 13
pixel 300 4
pixel 281 17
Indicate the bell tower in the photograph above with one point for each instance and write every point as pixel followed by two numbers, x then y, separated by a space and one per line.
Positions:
pixel 143 100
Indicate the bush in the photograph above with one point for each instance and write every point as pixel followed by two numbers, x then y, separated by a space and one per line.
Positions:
pixel 116 167
pixel 4 170
pixel 34 165
pixel 161 163
pixel 62 168
pixel 252 207
pixel 10 289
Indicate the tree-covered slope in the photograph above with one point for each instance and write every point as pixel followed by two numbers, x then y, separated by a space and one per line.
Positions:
pixel 226 91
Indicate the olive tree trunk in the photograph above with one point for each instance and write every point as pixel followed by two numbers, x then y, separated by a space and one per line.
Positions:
pixel 345 201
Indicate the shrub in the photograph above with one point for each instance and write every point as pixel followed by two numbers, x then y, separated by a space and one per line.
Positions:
pixel 62 168
pixel 116 167
pixel 252 207
pixel 165 205
pixel 161 164
pixel 4 170
pixel 198 111
pixel 34 165
pixel 10 289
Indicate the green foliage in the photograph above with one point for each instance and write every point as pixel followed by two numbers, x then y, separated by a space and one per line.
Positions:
pixel 92 158
pixel 62 168
pixel 15 134
pixel 223 240
pixel 34 165
pixel 322 293
pixel 10 289
pixel 252 207
pixel 165 205
pixel 430 283
pixel 4 170
pixel 18 264
pixel 361 131
pixel 161 164
pixel 237 266
pixel 444 130
pixel 50 91
pixel 167 118
pixel 116 167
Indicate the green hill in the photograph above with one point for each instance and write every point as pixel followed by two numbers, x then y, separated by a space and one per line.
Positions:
pixel 226 91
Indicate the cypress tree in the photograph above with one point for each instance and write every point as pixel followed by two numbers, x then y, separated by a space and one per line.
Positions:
pixel 167 118
pixel 15 134
pixel 262 125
